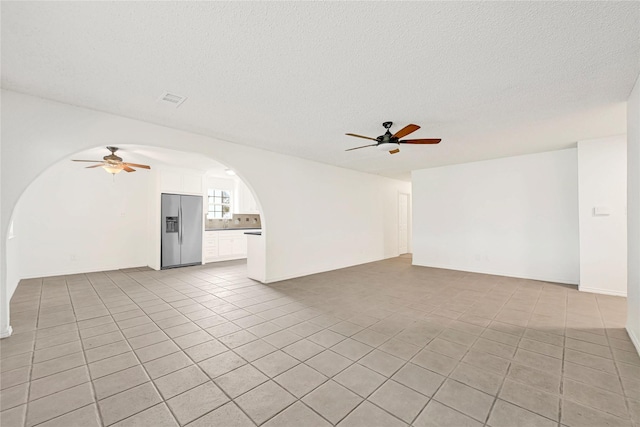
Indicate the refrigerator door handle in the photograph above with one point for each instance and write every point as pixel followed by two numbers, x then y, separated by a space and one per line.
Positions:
pixel 180 225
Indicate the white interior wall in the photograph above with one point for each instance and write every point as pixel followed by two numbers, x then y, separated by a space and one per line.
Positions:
pixel 633 215
pixel 602 185
pixel 318 217
pixel 516 216
pixel 329 218
pixel 73 220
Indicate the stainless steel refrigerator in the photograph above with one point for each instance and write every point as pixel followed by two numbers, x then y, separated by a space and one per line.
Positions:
pixel 181 230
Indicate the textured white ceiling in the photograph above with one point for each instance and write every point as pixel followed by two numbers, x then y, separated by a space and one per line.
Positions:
pixel 492 79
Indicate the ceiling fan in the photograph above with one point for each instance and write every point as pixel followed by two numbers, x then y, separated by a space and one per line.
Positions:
pixel 388 138
pixel 113 164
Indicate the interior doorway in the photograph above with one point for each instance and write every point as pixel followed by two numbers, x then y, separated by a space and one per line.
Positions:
pixel 403 223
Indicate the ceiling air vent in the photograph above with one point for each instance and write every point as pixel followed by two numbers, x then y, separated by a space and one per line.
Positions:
pixel 172 99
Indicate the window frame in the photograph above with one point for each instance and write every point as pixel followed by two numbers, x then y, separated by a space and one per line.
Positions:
pixel 219 204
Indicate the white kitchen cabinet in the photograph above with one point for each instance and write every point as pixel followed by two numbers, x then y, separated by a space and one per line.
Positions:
pixel 192 183
pixel 210 246
pixel 232 243
pixel 246 202
pixel 170 181
pixel 239 245
pixel 180 181
pixel 224 245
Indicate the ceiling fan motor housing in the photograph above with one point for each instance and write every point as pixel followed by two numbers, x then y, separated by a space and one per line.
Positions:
pixel 387 138
pixel 112 157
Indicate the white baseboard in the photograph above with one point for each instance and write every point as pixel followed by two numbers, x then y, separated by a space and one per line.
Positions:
pixel 603 291
pixel 540 278
pixel 6 333
pixel 634 339
pixel 318 270
pixel 82 270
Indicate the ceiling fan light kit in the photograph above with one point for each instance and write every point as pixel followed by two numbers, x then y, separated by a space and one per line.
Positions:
pixel 112 169
pixel 388 138
pixel 113 164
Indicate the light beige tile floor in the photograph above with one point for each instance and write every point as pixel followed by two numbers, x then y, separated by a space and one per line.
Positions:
pixel 382 344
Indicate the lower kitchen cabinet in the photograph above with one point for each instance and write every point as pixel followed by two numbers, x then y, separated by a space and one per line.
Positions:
pixel 224 245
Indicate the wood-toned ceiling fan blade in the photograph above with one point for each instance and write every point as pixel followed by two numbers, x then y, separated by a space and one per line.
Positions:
pixel 95 166
pixel 364 146
pixel 406 131
pixel 127 168
pixel 420 141
pixel 361 136
pixel 394 151
pixel 92 161
pixel 136 165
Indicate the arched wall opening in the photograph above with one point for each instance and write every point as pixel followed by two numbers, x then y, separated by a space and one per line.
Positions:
pixel 319 217
pixel 73 220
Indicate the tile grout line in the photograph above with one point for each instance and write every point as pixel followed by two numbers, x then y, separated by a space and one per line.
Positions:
pixel 300 363
pixel 196 364
pixel 402 366
pixel 460 361
pixel 35 339
pixel 432 397
pixel 615 364
pixel 504 378
pixel 59 391
pixel 86 363
pixel 163 400
pixel 422 349
pixel 365 399
pixel 84 354
pixel 311 303
pixel 564 351
pixel 330 325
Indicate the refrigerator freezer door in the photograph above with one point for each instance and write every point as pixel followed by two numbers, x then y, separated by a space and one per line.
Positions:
pixel 170 225
pixel 191 230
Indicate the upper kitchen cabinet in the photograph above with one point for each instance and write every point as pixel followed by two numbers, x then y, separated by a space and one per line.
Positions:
pixel 180 181
pixel 246 202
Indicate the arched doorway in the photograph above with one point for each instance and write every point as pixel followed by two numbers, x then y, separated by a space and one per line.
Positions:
pixel 75 220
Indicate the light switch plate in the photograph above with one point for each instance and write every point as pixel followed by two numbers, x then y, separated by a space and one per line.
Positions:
pixel 601 211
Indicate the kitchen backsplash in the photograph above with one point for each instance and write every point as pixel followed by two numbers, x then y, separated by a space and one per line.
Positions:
pixel 238 221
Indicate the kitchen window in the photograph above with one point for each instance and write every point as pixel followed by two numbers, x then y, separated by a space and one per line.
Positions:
pixel 219 204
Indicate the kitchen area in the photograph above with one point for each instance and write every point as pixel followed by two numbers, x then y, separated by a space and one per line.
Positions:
pixel 226 225
pixel 227 240
pixel 230 211
pixel 239 237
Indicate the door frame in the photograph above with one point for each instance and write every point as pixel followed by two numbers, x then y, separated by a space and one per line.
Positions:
pixel 400 194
